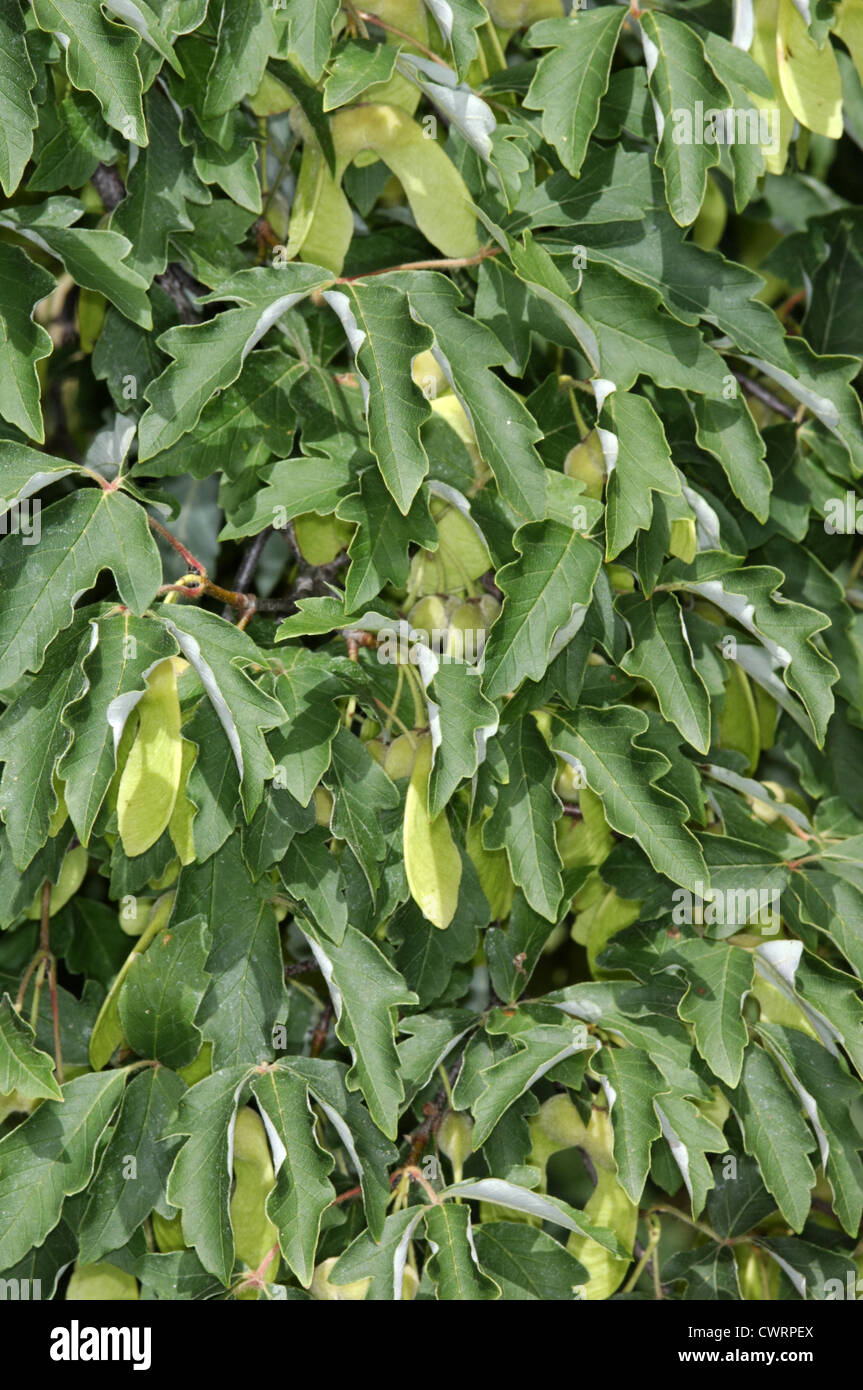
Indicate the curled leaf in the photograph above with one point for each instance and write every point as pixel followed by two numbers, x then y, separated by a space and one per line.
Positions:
pixel 432 861
pixel 151 778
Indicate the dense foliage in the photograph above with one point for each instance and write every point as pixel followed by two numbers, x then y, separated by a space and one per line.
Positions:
pixel 430 666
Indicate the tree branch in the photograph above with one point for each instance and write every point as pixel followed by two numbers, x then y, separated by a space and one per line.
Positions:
pixel 109 186
pixel 178 285
pixel 301 967
pixel 319 1037
pixel 761 393
pixel 249 563
pixel 175 281
pixel 45 948
pixel 368 18
pixel 446 263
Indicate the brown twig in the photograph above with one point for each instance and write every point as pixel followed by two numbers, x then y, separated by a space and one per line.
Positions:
pixel 312 580
pixel 430 1125
pixel 45 949
pixel 109 186
pixel 487 582
pixel 246 603
pixel 358 1191
pixel 434 1113
pixel 400 34
pixel 180 549
pixel 249 563
pixel 275 605
pixel 175 280
pixel 356 638
pixel 28 975
pixel 178 285
pixel 416 1175
pixel 55 1016
pixel 301 967
pixel 798 297
pixel 319 1037
pixel 346 1196
pixel 228 596
pixel 258 1278
pixel 447 263
pixel 589 1166
pixel 355 22
pixel 761 393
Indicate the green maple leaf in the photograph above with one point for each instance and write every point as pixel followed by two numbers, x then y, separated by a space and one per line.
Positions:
pixel 572 79
pixel 23 343
pixel 366 990
pixel 158 191
pixel 679 73
pixel 81 535
pixel 522 822
pixel 643 467
pixel 33 738
pixel 303 1191
pixel 220 654
pixel 776 1134
pixel 101 57
pixel 17 80
pixel 200 1179
pixel 624 773
pixel 51 1156
pixel 546 595
pixel 209 356
pixel 385 339
pixel 662 655
pixel 23 1067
